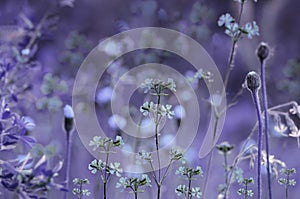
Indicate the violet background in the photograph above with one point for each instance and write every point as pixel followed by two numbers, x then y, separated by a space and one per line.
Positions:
pixel 97 19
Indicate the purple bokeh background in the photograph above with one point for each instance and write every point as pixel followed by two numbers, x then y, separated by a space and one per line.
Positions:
pixel 98 19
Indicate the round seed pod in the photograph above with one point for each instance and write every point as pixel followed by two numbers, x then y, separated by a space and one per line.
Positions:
pixel 252 81
pixel 263 51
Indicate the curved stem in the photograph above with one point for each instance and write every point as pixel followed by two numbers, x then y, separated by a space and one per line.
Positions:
pixel 266 117
pixel 238 159
pixel 260 131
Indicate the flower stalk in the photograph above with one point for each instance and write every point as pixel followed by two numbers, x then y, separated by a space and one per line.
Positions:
pixel 263 53
pixel 253 84
pixel 69 128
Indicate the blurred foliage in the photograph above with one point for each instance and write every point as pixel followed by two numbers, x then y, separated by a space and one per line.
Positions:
pixel 52 86
pixel 77 47
pixel 291 80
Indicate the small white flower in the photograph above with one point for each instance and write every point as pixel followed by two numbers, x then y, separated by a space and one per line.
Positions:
pixel 122 183
pixel 96 165
pixel 146 108
pixel 171 84
pixel 181 190
pixel 196 192
pixel 232 30
pixel 114 168
pixel 96 142
pixel 169 112
pixel 68 112
pixel 252 29
pixel 180 171
pixel 225 19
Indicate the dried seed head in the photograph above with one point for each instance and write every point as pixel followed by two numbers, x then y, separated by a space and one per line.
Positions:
pixel 263 51
pixel 252 81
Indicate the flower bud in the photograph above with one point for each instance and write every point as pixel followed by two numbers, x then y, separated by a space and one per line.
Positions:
pixel 69 118
pixel 252 81
pixel 263 51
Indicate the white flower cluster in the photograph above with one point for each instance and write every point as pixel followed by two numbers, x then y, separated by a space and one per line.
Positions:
pixel 105 143
pixel 133 182
pixel 157 86
pixel 234 30
pixel 182 190
pixel 161 110
pixel 144 157
pixel 246 191
pixel 189 172
pixel 99 165
pixel 79 191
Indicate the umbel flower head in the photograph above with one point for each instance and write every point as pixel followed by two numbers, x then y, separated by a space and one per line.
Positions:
pixel 68 118
pixel 263 51
pixel 252 81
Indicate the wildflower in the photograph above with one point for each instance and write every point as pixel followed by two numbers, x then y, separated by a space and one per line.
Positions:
pixel 181 190
pixel 134 183
pixel 96 165
pixel 79 191
pixel 146 108
pixel 225 19
pixel 251 29
pixel 196 192
pixel 114 168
